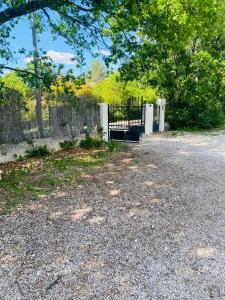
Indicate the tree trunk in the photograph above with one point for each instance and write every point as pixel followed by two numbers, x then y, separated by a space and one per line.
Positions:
pixel 37 81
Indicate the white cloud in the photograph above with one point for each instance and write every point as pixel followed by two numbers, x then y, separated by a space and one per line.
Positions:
pixel 103 52
pixel 28 60
pixel 61 57
pixel 58 57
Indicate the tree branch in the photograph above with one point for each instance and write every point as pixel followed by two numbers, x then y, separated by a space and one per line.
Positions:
pixel 55 27
pixel 23 9
pixel 17 70
pixel 87 30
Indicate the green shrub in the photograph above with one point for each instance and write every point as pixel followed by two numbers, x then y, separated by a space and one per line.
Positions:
pixel 194 91
pixel 30 140
pixel 90 142
pixel 20 158
pixel 38 151
pixel 195 113
pixel 68 144
pixel 115 146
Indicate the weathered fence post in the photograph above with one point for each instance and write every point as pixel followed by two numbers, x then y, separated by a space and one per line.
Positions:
pixel 148 118
pixel 104 121
pixel 161 103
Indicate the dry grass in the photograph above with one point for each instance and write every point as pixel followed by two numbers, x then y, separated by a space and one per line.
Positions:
pixel 31 179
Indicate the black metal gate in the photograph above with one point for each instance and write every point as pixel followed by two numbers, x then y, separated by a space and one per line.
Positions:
pixel 126 120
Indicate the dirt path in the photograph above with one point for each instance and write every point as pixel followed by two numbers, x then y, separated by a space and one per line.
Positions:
pixel 151 230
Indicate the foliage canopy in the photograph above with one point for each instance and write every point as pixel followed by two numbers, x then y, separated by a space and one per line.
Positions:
pixel 80 23
pixel 178 46
pixel 113 90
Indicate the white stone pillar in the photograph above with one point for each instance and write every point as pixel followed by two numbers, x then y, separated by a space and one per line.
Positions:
pixel 104 121
pixel 161 118
pixel 161 103
pixel 148 118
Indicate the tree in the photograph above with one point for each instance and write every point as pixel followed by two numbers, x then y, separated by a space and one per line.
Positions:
pixel 136 89
pixel 62 92
pixel 36 61
pixel 16 83
pixel 109 90
pixel 79 22
pixel 13 81
pixel 113 90
pixel 178 47
pixel 97 71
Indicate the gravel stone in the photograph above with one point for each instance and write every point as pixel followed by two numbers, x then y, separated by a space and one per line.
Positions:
pixel 151 230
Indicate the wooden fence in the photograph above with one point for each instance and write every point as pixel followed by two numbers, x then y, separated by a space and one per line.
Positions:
pixel 63 121
pixel 11 126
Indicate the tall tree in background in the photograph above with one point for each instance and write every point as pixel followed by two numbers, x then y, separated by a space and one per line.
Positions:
pixel 97 71
pixel 36 61
pixel 178 46
pixel 113 90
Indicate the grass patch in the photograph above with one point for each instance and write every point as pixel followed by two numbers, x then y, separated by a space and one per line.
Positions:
pixel 33 178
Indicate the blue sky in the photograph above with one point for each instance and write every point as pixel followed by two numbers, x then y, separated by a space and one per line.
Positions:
pixel 58 50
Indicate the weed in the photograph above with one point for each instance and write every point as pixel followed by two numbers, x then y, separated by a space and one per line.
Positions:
pixel 100 132
pixel 90 142
pixel 38 151
pixel 115 146
pixel 18 157
pixel 136 161
pixel 68 144
pixel 35 178
pixel 30 141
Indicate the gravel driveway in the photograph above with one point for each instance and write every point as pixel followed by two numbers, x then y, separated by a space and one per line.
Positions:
pixel 150 230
